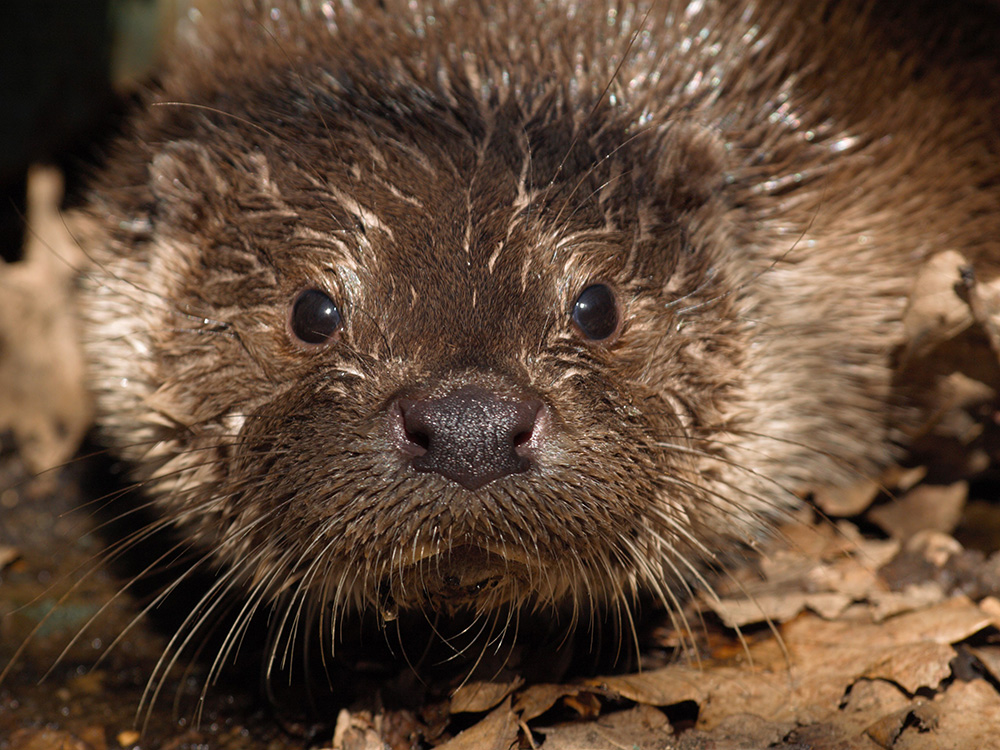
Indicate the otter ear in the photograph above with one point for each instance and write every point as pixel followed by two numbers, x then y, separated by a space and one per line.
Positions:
pixel 689 170
pixel 185 182
pixel 688 211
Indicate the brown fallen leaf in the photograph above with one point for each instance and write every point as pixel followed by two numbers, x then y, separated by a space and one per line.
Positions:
pixel 991 606
pixel 902 478
pixel 925 507
pixel 886 731
pixel 537 699
pixel 46 408
pixel 8 555
pixel 356 731
pixel 823 568
pixel 984 301
pixel 935 312
pixel 847 501
pixel 915 597
pixel 989 658
pixel 777 607
pixel 640 727
pixel 873 698
pixel 964 717
pixel 586 704
pixel 482 696
pixel 805 681
pixel 913 665
pixel 738 732
pixel 498 731
pixel 719 692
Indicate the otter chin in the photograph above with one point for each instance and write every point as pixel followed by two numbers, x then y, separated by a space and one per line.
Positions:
pixel 449 308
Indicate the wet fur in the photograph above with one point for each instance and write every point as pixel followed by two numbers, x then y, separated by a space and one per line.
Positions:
pixel 757 181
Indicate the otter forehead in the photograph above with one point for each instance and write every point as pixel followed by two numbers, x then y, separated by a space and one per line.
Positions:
pixel 470 229
pixel 452 236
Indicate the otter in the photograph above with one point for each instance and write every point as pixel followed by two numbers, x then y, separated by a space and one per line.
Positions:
pixel 461 308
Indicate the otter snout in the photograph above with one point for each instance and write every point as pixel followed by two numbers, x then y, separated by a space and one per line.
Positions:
pixel 471 436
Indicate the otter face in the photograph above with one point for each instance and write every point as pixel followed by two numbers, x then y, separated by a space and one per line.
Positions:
pixel 467 359
pixel 393 325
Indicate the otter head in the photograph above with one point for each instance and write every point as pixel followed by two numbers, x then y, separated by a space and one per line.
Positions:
pixel 388 337
pixel 461 358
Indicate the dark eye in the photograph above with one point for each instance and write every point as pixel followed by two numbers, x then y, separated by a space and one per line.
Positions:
pixel 596 312
pixel 315 317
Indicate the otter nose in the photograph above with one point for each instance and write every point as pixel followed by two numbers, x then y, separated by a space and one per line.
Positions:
pixel 471 435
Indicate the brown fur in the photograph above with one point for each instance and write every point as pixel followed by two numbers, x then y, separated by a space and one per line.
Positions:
pixel 757 181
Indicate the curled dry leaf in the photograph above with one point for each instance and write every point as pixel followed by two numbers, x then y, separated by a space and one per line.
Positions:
pixel 847 501
pixel 989 658
pixel 854 499
pixel 482 696
pixel 887 730
pixel 822 568
pixel 820 663
pixel 7 556
pixel 498 731
pixel 936 313
pixel 925 507
pixel 537 699
pixel 46 408
pixel 984 301
pixel 967 715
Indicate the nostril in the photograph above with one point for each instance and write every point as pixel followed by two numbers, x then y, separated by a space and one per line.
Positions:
pixel 525 426
pixel 411 434
pixel 418 438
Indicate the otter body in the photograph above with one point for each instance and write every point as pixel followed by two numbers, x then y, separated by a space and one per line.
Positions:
pixel 450 307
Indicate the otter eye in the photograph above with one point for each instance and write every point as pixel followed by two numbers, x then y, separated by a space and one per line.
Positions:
pixel 596 312
pixel 315 317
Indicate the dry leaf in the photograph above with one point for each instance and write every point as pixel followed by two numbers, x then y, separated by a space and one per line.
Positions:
pixel 917 596
pixel 355 731
pixel 498 731
pixel 720 692
pixel 936 313
pixel 537 699
pixel 887 730
pixel 913 666
pixel 482 696
pixel 822 569
pixel 966 716
pixel 847 501
pixel 8 555
pixel 926 506
pixel 641 727
pixel 984 300
pixel 868 698
pixel 46 408
pixel 805 682
pixel 738 732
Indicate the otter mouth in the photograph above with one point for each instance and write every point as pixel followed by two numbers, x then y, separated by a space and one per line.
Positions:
pixel 461 577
